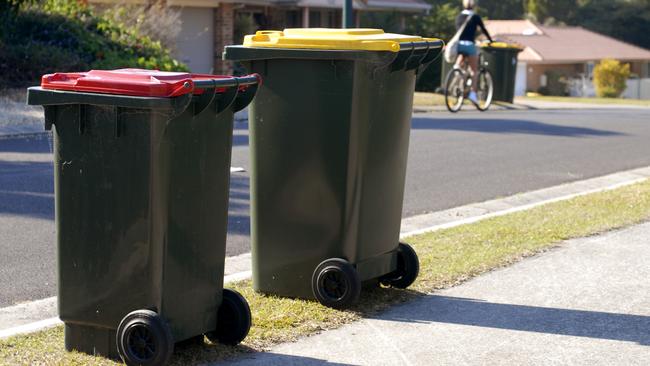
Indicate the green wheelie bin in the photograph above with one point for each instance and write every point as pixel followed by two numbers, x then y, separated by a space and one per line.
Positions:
pixel 142 172
pixel 329 132
pixel 500 59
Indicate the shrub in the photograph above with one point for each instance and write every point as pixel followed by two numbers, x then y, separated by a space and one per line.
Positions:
pixel 66 35
pixel 556 83
pixel 154 20
pixel 610 77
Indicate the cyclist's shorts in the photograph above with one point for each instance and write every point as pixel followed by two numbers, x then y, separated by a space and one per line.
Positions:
pixel 467 48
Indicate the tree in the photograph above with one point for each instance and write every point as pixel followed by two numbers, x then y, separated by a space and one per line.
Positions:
pixel 628 20
pixel 502 9
pixel 610 78
pixel 551 10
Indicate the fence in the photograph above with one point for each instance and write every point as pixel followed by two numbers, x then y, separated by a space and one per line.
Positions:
pixel 637 89
pixel 584 87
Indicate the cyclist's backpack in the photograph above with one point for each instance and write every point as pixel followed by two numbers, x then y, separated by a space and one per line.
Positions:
pixel 451 50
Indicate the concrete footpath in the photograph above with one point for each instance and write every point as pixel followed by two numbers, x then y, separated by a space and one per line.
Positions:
pixel 584 303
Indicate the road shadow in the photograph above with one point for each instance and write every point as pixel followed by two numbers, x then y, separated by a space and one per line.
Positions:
pixel 567 322
pixel 496 125
pixel 240 133
pixel 239 205
pixel 27 189
pixel 239 140
pixel 35 144
pixel 266 358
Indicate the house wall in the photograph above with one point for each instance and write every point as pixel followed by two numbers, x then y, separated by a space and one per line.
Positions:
pixel 195 42
pixel 224 20
pixel 535 72
pixel 640 68
pixel 520 79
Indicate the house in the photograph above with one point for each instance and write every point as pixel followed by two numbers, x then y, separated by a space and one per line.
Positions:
pixel 571 52
pixel 209 25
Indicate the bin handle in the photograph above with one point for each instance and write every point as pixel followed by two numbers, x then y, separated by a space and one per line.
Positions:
pixel 245 97
pixel 205 99
pixel 227 82
pixel 228 97
pixel 414 62
pixel 233 89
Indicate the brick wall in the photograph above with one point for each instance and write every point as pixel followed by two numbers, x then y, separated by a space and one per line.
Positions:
pixel 224 17
pixel 535 71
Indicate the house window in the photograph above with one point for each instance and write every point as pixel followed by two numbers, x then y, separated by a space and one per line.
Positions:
pixel 334 20
pixel 294 19
pixel 589 68
pixel 314 18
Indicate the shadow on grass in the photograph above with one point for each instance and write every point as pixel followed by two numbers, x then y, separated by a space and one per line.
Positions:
pixel 199 354
pixel 374 299
pixel 195 352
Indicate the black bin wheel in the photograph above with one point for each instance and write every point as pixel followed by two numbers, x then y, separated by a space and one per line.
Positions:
pixel 408 267
pixel 233 319
pixel 144 339
pixel 335 283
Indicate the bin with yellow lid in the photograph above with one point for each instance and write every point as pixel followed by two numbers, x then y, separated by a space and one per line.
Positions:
pixel 329 134
pixel 500 58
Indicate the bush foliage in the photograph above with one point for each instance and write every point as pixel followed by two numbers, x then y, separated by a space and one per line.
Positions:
pixel 66 35
pixel 610 77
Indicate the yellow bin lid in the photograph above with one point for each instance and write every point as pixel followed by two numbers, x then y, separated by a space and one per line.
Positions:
pixel 501 45
pixel 363 39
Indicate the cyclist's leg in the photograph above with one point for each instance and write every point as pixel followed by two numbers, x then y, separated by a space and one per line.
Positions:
pixel 473 64
pixel 460 60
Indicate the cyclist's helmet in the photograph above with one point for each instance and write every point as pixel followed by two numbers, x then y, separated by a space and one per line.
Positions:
pixel 469 4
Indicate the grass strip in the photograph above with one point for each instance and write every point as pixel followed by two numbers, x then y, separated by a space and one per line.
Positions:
pixel 421 99
pixel 448 257
pixel 426 100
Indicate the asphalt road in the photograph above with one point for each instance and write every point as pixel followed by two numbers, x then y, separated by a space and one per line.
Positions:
pixel 454 160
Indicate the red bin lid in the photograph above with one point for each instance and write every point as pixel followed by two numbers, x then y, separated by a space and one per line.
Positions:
pixel 135 82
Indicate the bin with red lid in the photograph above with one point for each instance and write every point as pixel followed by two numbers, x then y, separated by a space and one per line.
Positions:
pixel 142 172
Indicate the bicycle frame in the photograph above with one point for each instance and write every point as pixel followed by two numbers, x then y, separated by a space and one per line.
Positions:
pixel 460 88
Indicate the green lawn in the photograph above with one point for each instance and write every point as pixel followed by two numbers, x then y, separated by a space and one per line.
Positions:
pixel 448 257
pixel 644 103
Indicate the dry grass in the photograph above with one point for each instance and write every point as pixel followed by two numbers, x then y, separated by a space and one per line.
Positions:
pixel 447 257
pixel 421 99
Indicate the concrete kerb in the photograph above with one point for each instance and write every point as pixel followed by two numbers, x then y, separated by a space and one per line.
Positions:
pixel 16 319
pixel 527 105
pixel 20 318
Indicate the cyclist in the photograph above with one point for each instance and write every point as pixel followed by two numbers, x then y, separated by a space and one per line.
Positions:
pixel 466 46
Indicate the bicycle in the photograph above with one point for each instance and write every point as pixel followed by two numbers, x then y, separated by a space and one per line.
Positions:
pixel 459 83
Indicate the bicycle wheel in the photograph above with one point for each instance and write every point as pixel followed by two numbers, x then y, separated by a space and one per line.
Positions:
pixel 484 90
pixel 454 90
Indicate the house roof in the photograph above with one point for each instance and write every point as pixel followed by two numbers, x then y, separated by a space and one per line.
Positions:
pixel 376 5
pixel 411 6
pixel 545 44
